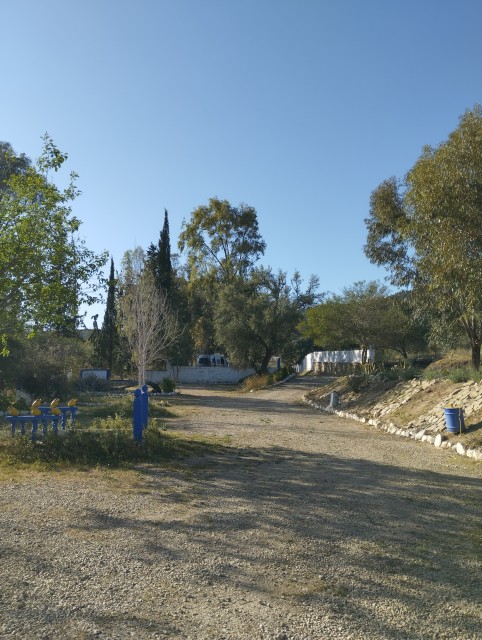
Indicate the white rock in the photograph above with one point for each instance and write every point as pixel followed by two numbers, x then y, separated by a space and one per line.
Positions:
pixel 459 448
pixel 438 440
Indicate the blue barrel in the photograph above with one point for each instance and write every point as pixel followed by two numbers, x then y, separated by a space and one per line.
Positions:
pixel 454 420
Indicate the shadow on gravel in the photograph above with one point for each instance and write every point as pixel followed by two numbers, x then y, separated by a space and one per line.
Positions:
pixel 405 535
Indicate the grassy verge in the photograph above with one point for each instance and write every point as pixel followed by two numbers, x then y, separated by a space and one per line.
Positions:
pixel 103 436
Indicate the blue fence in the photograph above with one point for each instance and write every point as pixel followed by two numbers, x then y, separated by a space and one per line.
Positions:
pixel 45 418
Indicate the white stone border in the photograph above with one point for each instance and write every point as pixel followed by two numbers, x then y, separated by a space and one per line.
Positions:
pixel 416 434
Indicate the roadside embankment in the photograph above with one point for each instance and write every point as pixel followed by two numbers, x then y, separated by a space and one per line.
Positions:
pixel 413 409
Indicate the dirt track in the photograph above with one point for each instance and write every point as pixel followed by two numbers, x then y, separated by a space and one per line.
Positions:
pixel 307 527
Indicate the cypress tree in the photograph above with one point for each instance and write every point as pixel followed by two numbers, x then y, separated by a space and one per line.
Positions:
pixel 109 332
pixel 159 258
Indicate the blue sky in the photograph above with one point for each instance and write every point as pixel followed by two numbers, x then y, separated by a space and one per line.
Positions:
pixel 297 108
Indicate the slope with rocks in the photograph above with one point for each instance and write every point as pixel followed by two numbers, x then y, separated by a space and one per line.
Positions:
pixel 413 408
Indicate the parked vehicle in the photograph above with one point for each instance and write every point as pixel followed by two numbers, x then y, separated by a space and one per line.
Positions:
pixel 212 360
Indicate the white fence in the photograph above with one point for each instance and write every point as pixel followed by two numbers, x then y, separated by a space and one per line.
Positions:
pixel 350 356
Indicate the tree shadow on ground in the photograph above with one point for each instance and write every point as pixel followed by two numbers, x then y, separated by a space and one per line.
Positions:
pixel 408 534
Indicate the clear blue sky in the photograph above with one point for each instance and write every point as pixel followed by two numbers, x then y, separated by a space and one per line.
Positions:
pixel 299 108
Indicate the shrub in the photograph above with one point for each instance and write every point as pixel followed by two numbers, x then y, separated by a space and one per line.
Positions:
pixel 107 446
pixel 464 374
pixel 280 374
pixel 92 383
pixel 402 373
pixel 168 385
pixel 457 374
pixel 357 381
pixel 257 381
pixel 6 399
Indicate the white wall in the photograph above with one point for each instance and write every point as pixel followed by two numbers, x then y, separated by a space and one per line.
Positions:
pixel 200 375
pixel 348 356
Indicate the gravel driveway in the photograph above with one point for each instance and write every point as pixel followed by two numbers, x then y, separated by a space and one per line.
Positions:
pixel 309 526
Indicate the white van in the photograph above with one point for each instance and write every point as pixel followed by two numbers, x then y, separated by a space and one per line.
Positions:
pixel 212 360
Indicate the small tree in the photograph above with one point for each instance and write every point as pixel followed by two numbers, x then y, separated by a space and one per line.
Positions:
pixel 146 319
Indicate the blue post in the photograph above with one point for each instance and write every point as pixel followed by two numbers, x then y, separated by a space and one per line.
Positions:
pixel 34 428
pixel 145 405
pixel 137 416
pixel 13 422
pixel 55 424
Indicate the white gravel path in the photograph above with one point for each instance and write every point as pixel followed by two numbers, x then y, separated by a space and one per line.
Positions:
pixel 308 527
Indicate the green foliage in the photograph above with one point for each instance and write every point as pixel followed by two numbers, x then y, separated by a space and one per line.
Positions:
pixel 168 385
pixel 257 318
pixel 280 374
pixel 427 232
pixel 45 364
pixel 7 398
pixel 47 272
pixel 146 319
pixel 92 383
pixel 364 315
pixel 159 258
pixel 108 347
pixel 223 239
pixel 357 381
pixel 110 445
pixel 401 373
pixel 454 374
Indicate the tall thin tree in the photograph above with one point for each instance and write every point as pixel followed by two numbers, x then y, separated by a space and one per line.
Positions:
pixel 109 338
pixel 159 258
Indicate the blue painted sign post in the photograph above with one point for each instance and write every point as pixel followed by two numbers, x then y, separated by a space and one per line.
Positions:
pixel 140 412
pixel 145 405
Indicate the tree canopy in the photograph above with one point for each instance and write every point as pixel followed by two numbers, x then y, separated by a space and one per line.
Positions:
pixel 222 239
pixel 257 318
pixel 365 314
pixel 427 230
pixel 46 270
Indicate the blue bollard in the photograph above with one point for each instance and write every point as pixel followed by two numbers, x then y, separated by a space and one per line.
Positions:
pixel 137 416
pixel 145 405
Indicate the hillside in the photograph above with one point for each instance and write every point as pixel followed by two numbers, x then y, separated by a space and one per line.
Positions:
pixel 416 404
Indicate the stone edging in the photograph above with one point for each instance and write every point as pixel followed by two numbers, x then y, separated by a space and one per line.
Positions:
pixel 416 434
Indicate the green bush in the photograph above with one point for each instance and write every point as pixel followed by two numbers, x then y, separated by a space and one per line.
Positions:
pixel 402 373
pixel 92 383
pixel 457 374
pixel 6 399
pixel 280 374
pixel 168 385
pixel 357 381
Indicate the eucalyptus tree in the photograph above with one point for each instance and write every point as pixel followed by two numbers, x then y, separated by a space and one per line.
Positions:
pixel 222 239
pixel 222 244
pixel 427 230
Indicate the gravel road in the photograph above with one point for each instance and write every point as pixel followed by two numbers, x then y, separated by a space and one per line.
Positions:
pixel 308 526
